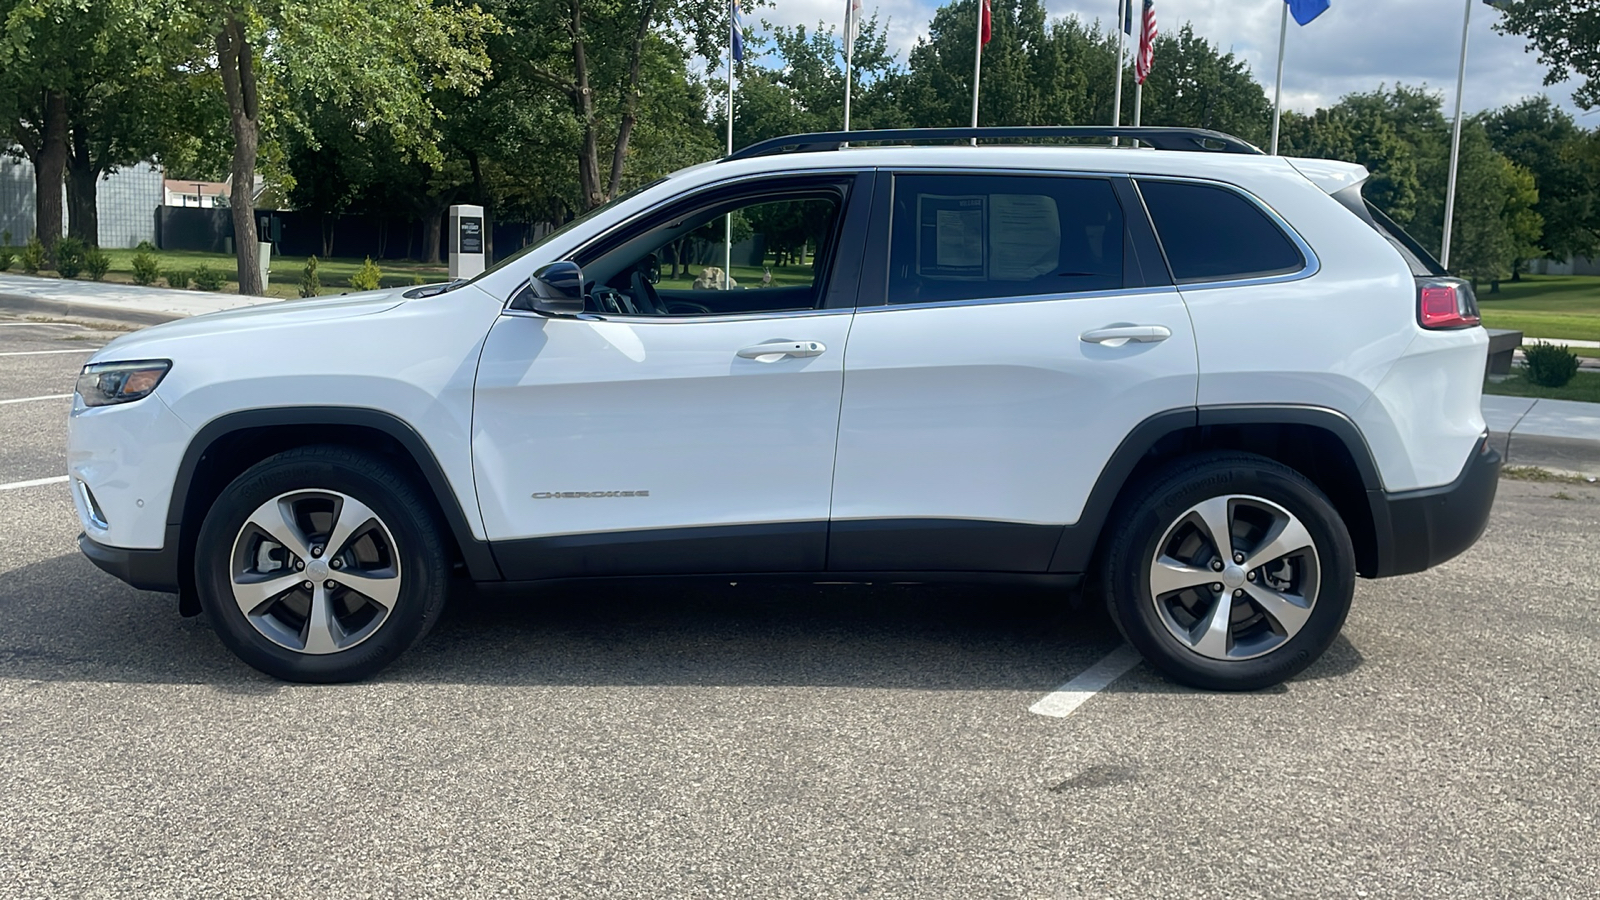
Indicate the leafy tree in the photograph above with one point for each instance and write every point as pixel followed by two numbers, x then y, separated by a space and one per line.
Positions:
pixel 1567 38
pixel 127 102
pixel 1029 75
pixel 803 89
pixel 264 50
pixel 597 55
pixel 1541 138
pixel 1193 84
pixel 1495 224
pixel 41 43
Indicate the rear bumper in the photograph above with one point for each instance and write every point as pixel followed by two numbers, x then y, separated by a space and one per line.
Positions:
pixel 147 570
pixel 1417 530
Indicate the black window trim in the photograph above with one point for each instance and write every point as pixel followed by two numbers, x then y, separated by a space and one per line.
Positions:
pixel 876 281
pixel 1312 265
pixel 853 186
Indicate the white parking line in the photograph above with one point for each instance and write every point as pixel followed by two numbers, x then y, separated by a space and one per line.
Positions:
pixel 34 483
pixel 46 352
pixel 31 399
pixel 1062 701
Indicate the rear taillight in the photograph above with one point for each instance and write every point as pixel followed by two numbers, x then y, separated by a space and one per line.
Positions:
pixel 1446 303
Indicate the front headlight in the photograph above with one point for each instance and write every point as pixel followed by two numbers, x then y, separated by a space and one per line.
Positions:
pixel 103 384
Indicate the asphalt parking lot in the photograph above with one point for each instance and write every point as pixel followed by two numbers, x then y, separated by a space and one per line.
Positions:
pixel 754 740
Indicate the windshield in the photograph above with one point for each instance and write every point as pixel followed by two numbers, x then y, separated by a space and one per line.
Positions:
pixel 574 223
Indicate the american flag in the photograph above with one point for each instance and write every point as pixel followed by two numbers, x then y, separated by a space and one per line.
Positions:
pixel 1147 43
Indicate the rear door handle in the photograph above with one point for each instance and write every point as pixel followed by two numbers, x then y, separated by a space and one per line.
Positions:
pixel 772 351
pixel 1117 335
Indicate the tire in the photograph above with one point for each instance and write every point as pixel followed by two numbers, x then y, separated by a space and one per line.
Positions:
pixel 370 598
pixel 1160 571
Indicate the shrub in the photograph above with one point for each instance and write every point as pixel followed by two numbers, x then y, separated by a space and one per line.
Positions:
pixel 145 268
pixel 7 255
pixel 209 279
pixel 69 257
pixel 178 278
pixel 366 278
pixel 145 247
pixel 310 283
pixel 1549 365
pixel 96 263
pixel 33 256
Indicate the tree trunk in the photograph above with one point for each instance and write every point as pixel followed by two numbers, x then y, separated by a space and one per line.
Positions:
pixel 432 228
pixel 583 104
pixel 630 101
pixel 49 169
pixel 83 178
pixel 236 61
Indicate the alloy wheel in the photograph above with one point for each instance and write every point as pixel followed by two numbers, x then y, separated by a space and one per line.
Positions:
pixel 315 571
pixel 1235 577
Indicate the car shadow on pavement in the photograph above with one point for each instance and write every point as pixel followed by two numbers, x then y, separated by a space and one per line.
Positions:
pixel 63 620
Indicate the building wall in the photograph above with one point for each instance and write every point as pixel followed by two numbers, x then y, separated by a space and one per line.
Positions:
pixel 127 201
pixel 16 198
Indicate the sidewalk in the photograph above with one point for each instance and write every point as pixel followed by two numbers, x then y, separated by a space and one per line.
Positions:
pixel 1551 434
pixel 118 302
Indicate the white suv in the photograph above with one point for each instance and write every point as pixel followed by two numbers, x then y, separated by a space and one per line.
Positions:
pixel 1211 385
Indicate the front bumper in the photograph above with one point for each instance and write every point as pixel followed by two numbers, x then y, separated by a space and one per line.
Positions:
pixel 147 570
pixel 1417 530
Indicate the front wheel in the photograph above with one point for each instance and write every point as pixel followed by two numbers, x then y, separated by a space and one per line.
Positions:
pixel 321 564
pixel 1229 571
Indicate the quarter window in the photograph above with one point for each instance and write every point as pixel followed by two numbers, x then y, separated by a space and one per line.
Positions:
pixel 1210 233
pixel 968 237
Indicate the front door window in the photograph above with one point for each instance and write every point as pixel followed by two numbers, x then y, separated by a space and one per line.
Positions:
pixel 762 254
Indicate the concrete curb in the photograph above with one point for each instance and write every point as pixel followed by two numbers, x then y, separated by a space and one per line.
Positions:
pixel 69 310
pixel 1563 435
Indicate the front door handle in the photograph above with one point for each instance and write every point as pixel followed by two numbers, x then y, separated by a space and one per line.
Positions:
pixel 772 351
pixel 1117 335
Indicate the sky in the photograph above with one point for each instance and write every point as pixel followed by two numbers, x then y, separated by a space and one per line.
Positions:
pixel 1355 46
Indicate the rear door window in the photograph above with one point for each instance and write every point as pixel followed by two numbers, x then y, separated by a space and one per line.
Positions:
pixel 1211 233
pixel 971 237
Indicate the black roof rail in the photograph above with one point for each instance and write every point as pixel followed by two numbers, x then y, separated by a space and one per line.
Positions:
pixel 1200 139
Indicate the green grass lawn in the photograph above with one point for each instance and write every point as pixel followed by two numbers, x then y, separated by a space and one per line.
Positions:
pixel 1584 386
pixel 285 271
pixel 1549 306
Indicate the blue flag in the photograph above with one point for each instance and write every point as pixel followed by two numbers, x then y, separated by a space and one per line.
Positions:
pixel 737 39
pixel 1306 10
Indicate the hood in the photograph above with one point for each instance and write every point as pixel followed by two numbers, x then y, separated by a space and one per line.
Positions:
pixel 269 314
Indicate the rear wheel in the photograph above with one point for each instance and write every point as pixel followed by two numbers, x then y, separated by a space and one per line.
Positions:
pixel 1229 571
pixel 321 564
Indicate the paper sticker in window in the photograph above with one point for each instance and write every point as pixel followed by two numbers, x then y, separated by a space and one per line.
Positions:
pixel 1024 236
pixel 950 241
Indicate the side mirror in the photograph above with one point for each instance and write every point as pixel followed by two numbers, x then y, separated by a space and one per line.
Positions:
pixel 558 289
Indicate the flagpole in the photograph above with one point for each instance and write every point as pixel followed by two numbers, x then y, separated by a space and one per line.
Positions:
pixel 1455 144
pixel 977 65
pixel 849 67
pixel 727 221
pixel 1116 95
pixel 1138 105
pixel 1277 92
